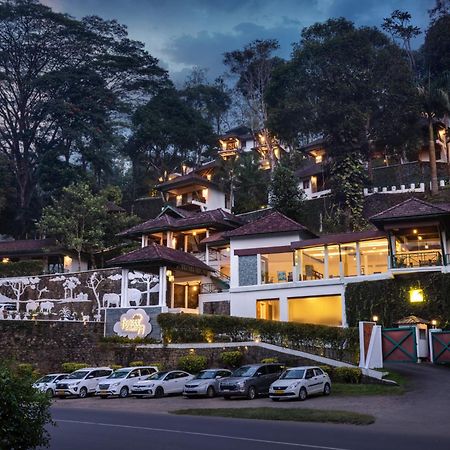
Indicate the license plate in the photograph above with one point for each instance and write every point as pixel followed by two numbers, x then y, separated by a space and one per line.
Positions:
pixel 103 391
pixel 59 392
pixel 279 391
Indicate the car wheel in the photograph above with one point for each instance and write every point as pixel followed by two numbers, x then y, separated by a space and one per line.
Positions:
pixel 83 392
pixel 49 392
pixel 159 392
pixel 226 397
pixel 302 394
pixel 327 389
pixel 251 394
pixel 123 392
pixel 210 393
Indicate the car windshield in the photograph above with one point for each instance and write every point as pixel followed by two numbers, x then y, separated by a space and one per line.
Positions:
pixel 157 376
pixel 293 374
pixel 244 371
pixel 206 375
pixel 46 379
pixel 78 375
pixel 119 374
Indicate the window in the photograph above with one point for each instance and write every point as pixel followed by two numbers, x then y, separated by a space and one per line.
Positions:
pixel 348 257
pixel 274 368
pixel 261 371
pixel 134 374
pixel 309 373
pixel 374 256
pixel 276 268
pixel 306 184
pixel 326 310
pixel 313 263
pixel 318 372
pixel 334 270
pixel 268 309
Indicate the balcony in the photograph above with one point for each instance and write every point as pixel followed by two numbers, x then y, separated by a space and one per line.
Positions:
pixel 417 260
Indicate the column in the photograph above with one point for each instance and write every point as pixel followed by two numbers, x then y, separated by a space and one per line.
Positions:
pixel 144 241
pixel 162 286
pixel 358 259
pixel 124 289
pixel 284 309
pixel 169 239
pixel 326 271
pixel 207 255
pixel 186 295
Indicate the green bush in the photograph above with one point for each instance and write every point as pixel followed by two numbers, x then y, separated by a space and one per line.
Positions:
pixel 192 363
pixel 26 370
pixel 351 375
pixel 24 413
pixel 232 358
pixel 136 363
pixel 21 268
pixel 125 340
pixel 70 367
pixel 115 366
pixel 269 360
pixel 334 342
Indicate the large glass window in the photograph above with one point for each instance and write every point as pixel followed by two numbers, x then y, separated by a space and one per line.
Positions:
pixel 313 263
pixel 333 261
pixel 276 268
pixel 374 256
pixel 325 310
pixel 268 309
pixel 348 257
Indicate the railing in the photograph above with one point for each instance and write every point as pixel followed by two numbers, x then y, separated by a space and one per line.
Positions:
pixel 417 259
pixel 209 288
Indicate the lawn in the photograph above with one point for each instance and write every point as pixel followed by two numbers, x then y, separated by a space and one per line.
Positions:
pixel 291 414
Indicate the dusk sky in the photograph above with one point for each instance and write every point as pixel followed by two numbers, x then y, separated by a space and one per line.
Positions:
pixel 187 33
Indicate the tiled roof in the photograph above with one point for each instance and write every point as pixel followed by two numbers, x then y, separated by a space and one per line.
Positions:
pixel 251 216
pixel 183 180
pixel 215 217
pixel 339 238
pixel 215 238
pixel 155 254
pixel 413 207
pixel 29 246
pixel 271 223
pixel 412 320
pixel 308 171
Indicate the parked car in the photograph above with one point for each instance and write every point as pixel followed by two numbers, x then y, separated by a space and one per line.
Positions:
pixel 162 383
pixel 48 383
pixel 82 382
pixel 121 381
pixel 250 381
pixel 206 383
pixel 299 382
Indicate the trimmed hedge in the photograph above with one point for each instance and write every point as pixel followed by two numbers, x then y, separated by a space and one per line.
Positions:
pixel 350 375
pixel 21 268
pixel 192 363
pixel 70 367
pixel 232 358
pixel 389 299
pixel 334 342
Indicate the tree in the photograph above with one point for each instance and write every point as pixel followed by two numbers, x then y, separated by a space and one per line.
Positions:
pixel 79 219
pixel 62 81
pixel 285 194
pixel 253 66
pixel 24 413
pixel 357 91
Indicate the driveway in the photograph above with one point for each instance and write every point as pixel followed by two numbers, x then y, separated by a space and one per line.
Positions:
pixel 423 409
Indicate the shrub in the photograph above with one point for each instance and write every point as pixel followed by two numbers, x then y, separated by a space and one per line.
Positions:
pixel 269 360
pixel 26 370
pixel 69 367
pixel 136 363
pixel 350 375
pixel 192 363
pixel 24 413
pixel 232 358
pixel 126 340
pixel 21 268
pixel 115 366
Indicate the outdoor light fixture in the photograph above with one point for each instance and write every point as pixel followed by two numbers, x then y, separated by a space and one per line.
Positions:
pixel 434 323
pixel 416 295
pixel 5 260
pixel 415 231
pixel 375 318
pixel 169 273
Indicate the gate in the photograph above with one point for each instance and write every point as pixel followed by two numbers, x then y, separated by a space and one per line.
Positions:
pixel 440 345
pixel 399 344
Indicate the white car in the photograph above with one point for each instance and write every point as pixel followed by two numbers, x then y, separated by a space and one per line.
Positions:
pixel 48 382
pixel 82 382
pixel 299 382
pixel 162 383
pixel 121 381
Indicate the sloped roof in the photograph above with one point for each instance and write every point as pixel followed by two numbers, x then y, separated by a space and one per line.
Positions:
pixel 412 207
pixel 156 255
pixel 412 320
pixel 215 217
pixel 191 178
pixel 216 238
pixel 240 132
pixel 313 169
pixel 271 223
pixel 29 247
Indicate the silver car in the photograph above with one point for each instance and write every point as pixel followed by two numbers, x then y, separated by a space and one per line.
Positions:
pixel 206 383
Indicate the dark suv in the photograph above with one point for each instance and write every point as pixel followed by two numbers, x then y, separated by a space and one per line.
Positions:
pixel 250 381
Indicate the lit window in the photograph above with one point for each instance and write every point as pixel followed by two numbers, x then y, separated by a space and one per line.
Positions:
pixel 268 309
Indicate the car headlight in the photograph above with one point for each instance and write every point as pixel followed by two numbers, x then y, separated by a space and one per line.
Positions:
pixel 294 385
pixel 150 385
pixel 240 384
pixel 114 385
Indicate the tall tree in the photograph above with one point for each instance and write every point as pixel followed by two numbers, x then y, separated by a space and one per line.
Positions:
pixel 253 66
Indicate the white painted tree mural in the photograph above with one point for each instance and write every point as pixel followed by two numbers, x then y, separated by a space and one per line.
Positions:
pixel 150 281
pixel 93 283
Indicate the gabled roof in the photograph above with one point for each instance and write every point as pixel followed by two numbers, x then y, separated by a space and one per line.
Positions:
pixel 313 169
pixel 30 247
pixel 274 222
pixel 191 178
pixel 156 255
pixel 412 320
pixel 216 238
pixel 177 213
pixel 213 218
pixel 412 207
pixel 242 132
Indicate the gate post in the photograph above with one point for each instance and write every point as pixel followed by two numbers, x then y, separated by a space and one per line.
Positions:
pixel 370 346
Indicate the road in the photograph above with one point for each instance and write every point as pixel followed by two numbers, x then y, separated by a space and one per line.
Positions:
pixel 416 420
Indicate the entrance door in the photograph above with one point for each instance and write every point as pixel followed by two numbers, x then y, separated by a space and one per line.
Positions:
pixel 399 344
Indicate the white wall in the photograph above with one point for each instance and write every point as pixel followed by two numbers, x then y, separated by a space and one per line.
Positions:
pixel 215 199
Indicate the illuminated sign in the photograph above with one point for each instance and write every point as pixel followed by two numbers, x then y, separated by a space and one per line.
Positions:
pixel 134 323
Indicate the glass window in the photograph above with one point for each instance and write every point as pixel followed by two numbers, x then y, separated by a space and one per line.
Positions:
pixel 348 257
pixel 268 309
pixel 374 256
pixel 313 263
pixel 276 268
pixel 326 310
pixel 333 261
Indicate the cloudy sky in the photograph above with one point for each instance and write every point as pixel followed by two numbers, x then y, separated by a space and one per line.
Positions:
pixel 188 33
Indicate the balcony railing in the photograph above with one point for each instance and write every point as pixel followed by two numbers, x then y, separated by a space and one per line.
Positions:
pixel 417 259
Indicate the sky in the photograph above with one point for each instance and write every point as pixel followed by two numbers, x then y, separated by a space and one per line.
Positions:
pixel 184 34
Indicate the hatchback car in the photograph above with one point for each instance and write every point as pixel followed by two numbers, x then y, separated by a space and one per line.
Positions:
pixel 206 383
pixel 250 381
pixel 299 382
pixel 48 382
pixel 82 382
pixel 162 383
pixel 121 381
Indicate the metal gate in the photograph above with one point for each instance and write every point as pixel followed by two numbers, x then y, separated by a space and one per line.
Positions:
pixel 440 344
pixel 399 344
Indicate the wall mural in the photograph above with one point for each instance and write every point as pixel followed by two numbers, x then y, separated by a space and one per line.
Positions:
pixel 81 296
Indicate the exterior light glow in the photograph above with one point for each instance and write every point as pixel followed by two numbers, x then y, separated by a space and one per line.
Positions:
pixel 169 273
pixel 375 318
pixel 420 238
pixel 434 323
pixel 416 295
pixel 415 231
pixel 5 260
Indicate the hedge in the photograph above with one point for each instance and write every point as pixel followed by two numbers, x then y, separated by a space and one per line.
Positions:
pixel 21 268
pixel 192 363
pixel 333 342
pixel 389 299
pixel 70 367
pixel 232 358
pixel 351 375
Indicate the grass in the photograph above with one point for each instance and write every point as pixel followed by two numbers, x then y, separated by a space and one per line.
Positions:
pixel 286 414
